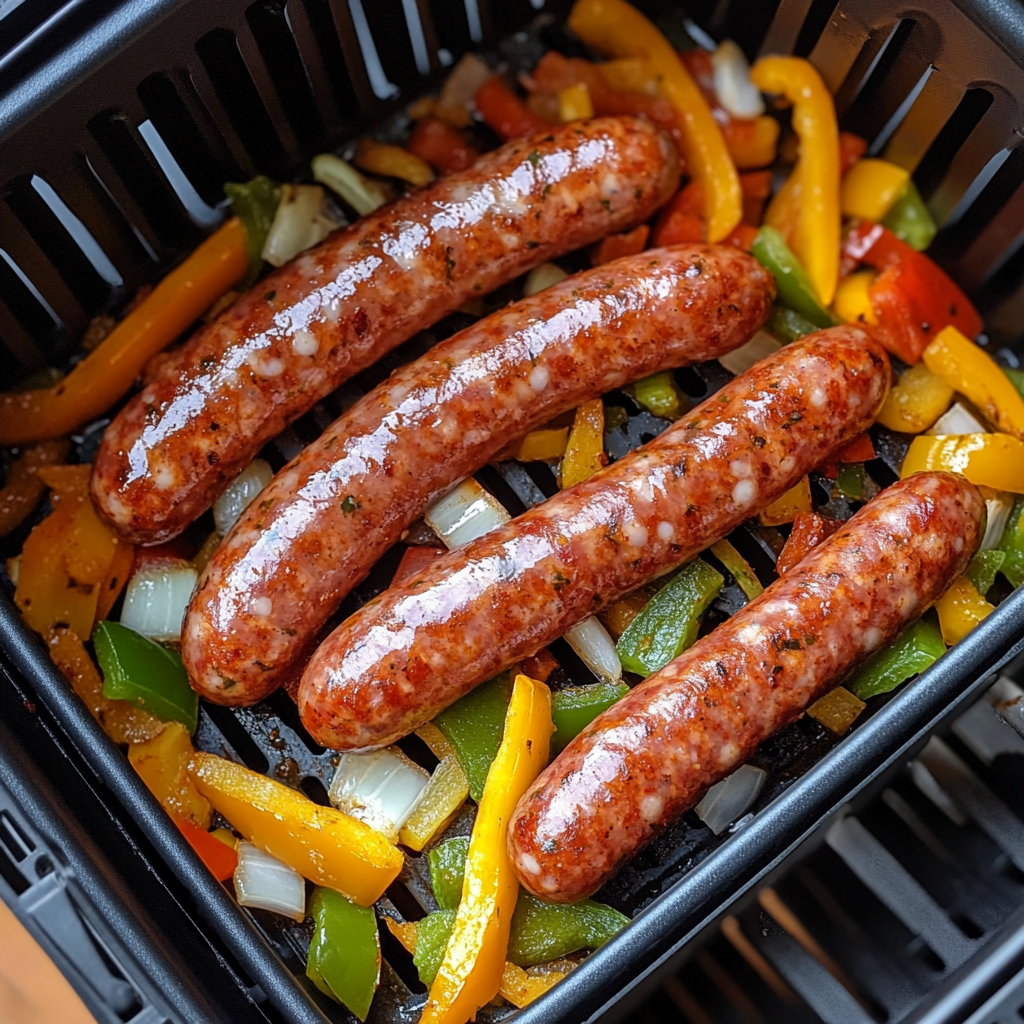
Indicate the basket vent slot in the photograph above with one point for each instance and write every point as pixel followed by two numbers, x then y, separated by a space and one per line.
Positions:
pixel 954 133
pixel 237 735
pixel 814 25
pixel 322 23
pixel 383 88
pixel 31 312
pixel 457 26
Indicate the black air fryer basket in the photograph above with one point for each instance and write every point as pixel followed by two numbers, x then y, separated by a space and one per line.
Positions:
pixel 119 124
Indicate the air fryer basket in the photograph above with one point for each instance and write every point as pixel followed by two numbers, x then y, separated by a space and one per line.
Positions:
pixel 113 153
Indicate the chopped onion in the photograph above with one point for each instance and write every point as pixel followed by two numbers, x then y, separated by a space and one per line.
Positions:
pixel 381 788
pixel 156 597
pixel 728 800
pixel 235 498
pixel 957 419
pixel 302 219
pixel 466 513
pixel 458 94
pixel 543 277
pixel 363 195
pixel 592 642
pixel 741 359
pixel 999 509
pixel 733 87
pixel 263 882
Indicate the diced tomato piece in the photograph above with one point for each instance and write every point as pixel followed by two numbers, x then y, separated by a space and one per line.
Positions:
pixel 808 531
pixel 505 112
pixel 415 560
pixel 442 146
pixel 217 856
pixel 616 246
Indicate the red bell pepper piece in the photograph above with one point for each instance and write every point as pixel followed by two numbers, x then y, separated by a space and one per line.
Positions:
pixel 808 531
pixel 442 146
pixel 415 559
pixel 757 187
pixel 860 449
pixel 682 219
pixel 616 246
pixel 505 112
pixel 217 856
pixel 851 149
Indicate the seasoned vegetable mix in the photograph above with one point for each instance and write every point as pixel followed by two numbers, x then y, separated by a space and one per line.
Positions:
pixel 774 242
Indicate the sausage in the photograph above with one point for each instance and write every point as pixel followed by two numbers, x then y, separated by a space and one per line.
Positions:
pixel 418 647
pixel 339 307
pixel 318 528
pixel 652 755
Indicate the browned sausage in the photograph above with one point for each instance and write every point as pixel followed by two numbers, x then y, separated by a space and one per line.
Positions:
pixel 339 307
pixel 418 647
pixel 318 528
pixel 650 757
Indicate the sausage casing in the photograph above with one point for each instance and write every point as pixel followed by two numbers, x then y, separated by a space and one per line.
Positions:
pixel 652 755
pixel 420 646
pixel 339 307
pixel 317 529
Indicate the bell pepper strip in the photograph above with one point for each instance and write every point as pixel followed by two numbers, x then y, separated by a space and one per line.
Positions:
pixel 983 569
pixel 1016 378
pixel 432 938
pixel 322 844
pixel 910 220
pixel 788 325
pixel 473 725
pixel 960 609
pixel 470 973
pixel 837 710
pixel 752 142
pixel 254 203
pixel 617 616
pixel 786 507
pixel 521 988
pixel 24 487
pixel 145 674
pixel 504 112
pixel 669 623
pixel 575 707
pixel 625 74
pixel 344 953
pixel 860 449
pixel 392 162
pixel 414 560
pixel 117 576
pixel 441 146
pixel 540 666
pixel 987 460
pixel 816 233
pixel 918 647
pixel 682 219
pixel 447 863
pixel 756 187
pixel 616 29
pixel 870 189
pixel 439 802
pixel 739 568
pixel 405 931
pixel 121 721
pixel 795 290
pixel 1012 545
pixel 851 149
pixel 574 103
pixel 850 481
pixel 808 531
pixel 108 372
pixel 543 445
pixel 969 369
pixel 915 401
pixel 614 247
pixel 219 858
pixel 584 451
pixel 435 740
pixel 661 395
pixel 852 303
pixel 162 763
pixel 225 836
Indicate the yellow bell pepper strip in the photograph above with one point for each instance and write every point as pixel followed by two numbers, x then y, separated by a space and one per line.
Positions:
pixel 987 460
pixel 162 763
pixel 751 143
pixel 915 401
pixel 439 802
pixel 543 445
pixel 117 576
pixel 784 509
pixel 837 710
pixel 584 452
pixel 816 234
pixel 852 303
pixel 24 487
pixel 870 188
pixel 740 568
pixel 326 846
pixel 629 74
pixel 474 961
pixel 969 369
pixel 574 103
pixel 617 29
pixel 960 609
pixel 392 162
pixel 521 988
pixel 108 372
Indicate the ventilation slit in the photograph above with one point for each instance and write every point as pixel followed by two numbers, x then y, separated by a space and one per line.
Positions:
pixel 935 162
pixel 322 21
pixel 814 25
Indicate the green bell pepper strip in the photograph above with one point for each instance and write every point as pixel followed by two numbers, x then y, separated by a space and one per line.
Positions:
pixel 850 480
pixel 474 725
pixel 795 289
pixel 1016 378
pixel 344 956
pixel 660 394
pixel 788 325
pixel 254 202
pixel 431 941
pixel 575 707
pixel 447 863
pixel 1012 545
pixel 147 675
pixel 983 568
pixel 910 220
pixel 915 649
pixel 668 623
pixel 546 931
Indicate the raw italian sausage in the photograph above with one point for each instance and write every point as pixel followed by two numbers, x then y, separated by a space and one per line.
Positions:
pixel 339 307
pixel 652 756
pixel 420 646
pixel 318 528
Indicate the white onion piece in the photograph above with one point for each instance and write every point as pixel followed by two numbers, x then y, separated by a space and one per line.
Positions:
pixel 302 219
pixel 238 494
pixel 461 86
pixel 466 513
pixel 543 277
pixel 741 359
pixel 363 195
pixel 263 882
pixel 957 419
pixel 591 641
pixel 380 788
pixel 156 597
pixel 999 509
pixel 733 87
pixel 728 800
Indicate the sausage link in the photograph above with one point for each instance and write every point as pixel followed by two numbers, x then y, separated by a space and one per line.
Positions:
pixel 320 525
pixel 653 755
pixel 339 307
pixel 420 646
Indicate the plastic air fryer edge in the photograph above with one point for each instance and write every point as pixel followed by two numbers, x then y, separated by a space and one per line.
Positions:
pixel 44 117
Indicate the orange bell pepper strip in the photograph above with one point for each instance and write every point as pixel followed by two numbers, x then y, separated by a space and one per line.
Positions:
pixel 392 162
pixel 785 508
pixel 219 858
pixel 617 29
pixel 474 962
pixel 442 146
pixel 162 764
pixel 23 487
pixel 616 246
pixel 584 454
pixel 109 371
pixel 682 219
pixel 808 531
pixel 505 112
pixel 752 142
pixel 322 844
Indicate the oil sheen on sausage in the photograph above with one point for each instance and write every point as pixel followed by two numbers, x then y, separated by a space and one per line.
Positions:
pixel 420 646
pixel 318 528
pixel 339 307
pixel 653 755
